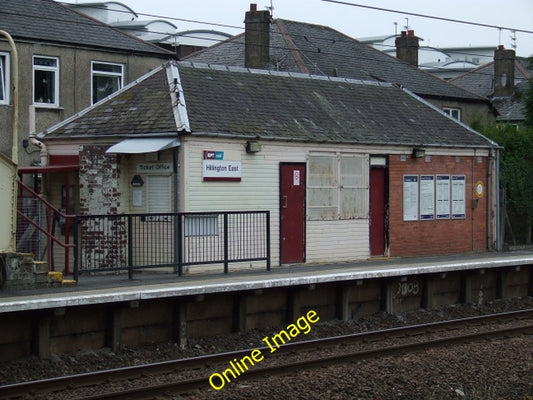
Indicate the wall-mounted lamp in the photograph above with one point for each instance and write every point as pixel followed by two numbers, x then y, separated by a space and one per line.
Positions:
pixel 253 147
pixel 137 181
pixel 419 153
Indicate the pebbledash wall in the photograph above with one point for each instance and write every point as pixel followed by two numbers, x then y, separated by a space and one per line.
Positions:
pixel 106 188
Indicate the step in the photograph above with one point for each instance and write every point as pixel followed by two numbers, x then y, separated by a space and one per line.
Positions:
pixel 55 276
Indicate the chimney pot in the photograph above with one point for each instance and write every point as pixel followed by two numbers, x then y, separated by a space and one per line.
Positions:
pixel 500 47
pixel 404 33
pixel 410 33
pixel 253 7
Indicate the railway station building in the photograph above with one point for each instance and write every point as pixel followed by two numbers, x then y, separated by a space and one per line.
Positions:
pixel 348 169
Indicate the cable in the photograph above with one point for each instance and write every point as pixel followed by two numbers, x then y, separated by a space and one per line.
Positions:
pixel 331 1
pixel 428 16
pixel 317 49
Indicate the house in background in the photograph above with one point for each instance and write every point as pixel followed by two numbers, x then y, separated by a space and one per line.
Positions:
pixel 444 62
pixel 504 81
pixel 290 46
pixel 161 32
pixel 66 61
pixel 347 168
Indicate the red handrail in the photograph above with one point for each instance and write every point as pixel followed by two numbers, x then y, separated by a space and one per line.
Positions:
pixel 48 234
pixel 44 201
pixel 51 210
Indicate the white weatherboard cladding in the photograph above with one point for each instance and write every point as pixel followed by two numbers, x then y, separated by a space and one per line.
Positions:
pixel 326 241
pixel 346 240
pixel 257 190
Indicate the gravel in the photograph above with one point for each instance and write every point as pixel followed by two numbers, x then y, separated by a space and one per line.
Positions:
pixel 499 369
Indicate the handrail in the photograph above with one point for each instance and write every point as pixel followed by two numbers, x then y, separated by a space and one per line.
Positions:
pixel 45 202
pixel 69 219
pixel 48 234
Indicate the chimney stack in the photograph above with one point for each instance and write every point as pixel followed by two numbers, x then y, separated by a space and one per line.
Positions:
pixel 257 38
pixel 504 61
pixel 407 47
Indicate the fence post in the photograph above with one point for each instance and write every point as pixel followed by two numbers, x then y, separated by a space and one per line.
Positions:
pixel 75 249
pixel 179 242
pixel 130 248
pixel 226 268
pixel 268 240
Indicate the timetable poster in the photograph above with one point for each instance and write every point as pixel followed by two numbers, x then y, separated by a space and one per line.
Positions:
pixel 443 196
pixel 427 197
pixel 458 197
pixel 410 198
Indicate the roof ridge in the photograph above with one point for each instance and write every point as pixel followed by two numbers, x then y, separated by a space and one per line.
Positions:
pixel 287 74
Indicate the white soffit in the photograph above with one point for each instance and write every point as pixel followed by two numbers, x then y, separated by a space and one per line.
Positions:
pixel 143 145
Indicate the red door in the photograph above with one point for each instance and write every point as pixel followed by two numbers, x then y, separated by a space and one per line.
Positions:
pixel 292 205
pixel 377 211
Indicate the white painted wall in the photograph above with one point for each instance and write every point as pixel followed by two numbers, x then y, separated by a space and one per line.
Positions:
pixel 8 200
pixel 259 189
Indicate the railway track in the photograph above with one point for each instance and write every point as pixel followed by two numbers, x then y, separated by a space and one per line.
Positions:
pixel 195 371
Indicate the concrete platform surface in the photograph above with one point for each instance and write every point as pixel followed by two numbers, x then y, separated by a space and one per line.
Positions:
pixel 148 284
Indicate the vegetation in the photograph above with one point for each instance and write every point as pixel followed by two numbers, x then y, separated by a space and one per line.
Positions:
pixel 516 179
pixel 528 99
pixel 516 171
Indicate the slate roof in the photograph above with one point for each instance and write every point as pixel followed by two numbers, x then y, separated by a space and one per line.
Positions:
pixel 242 103
pixel 321 50
pixel 481 81
pixel 49 21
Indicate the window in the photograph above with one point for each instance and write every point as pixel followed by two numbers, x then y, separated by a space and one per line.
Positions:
pixel 106 79
pixel 45 81
pixel 4 78
pixel 453 112
pixel 338 187
pixel 201 225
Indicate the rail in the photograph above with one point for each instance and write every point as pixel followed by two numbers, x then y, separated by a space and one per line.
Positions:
pixel 37 215
pixel 413 338
pixel 136 241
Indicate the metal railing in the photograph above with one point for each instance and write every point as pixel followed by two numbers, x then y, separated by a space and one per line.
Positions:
pixel 40 226
pixel 137 241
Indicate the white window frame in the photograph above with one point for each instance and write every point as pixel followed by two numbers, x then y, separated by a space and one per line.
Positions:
pixel 326 194
pixel 55 71
pixel 451 111
pixel 107 74
pixel 5 78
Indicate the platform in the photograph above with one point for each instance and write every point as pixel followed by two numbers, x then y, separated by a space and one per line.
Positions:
pixel 101 289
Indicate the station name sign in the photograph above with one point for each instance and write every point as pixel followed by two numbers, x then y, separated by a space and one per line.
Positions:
pixel 221 166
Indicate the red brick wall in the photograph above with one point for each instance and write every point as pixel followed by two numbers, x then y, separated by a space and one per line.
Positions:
pixel 413 238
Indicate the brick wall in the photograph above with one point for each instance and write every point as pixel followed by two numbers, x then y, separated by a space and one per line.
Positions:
pixel 103 241
pixel 432 237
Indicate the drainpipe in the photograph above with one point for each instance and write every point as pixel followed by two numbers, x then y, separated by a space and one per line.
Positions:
pixel 33 140
pixel 490 241
pixel 499 238
pixel 15 69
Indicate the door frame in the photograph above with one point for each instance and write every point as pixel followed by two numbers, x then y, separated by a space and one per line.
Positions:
pixel 280 191
pixel 386 211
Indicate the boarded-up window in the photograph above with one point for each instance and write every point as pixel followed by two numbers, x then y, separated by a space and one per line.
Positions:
pixel 338 186
pixel 353 187
pixel 323 187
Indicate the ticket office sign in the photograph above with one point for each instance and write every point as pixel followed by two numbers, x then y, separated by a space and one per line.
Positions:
pixel 221 166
